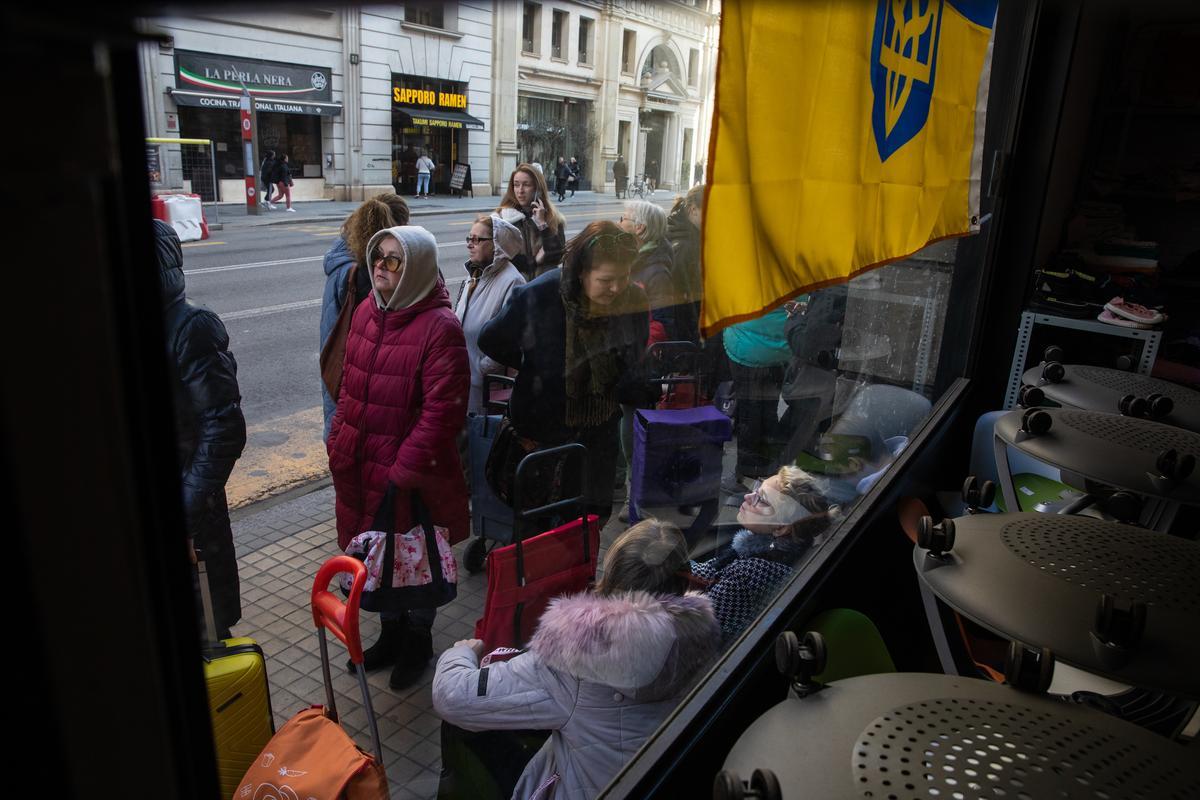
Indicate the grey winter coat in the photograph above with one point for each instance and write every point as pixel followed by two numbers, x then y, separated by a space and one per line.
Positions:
pixel 602 672
pixel 476 308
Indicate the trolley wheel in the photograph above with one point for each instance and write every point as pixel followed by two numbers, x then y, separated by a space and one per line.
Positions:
pixel 1028 668
pixel 765 785
pixel 1160 405
pixel 728 786
pixel 475 555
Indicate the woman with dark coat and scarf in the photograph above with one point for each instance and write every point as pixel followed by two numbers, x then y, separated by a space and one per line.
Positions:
pixel 576 337
pixel 209 424
pixel 781 520
pixel 403 401
pixel 542 227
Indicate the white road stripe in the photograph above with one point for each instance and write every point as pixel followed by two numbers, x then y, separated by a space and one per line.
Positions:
pixel 255 265
pixel 258 264
pixel 250 313
pixel 265 310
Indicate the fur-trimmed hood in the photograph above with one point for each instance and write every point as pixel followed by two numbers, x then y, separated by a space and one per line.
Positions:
pixel 650 646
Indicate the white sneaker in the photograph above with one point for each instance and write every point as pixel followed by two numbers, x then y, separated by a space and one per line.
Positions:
pixel 270 206
pixel 292 210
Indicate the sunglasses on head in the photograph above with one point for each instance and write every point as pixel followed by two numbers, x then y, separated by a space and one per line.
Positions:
pixel 610 242
pixel 390 263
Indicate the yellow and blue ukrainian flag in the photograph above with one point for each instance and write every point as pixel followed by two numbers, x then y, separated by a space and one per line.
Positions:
pixel 847 134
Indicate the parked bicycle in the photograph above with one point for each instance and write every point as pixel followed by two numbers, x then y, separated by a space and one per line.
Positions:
pixel 639 187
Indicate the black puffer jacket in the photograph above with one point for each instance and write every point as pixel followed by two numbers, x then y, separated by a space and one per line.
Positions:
pixel 209 423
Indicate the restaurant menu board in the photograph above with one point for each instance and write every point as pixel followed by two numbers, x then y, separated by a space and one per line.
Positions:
pixel 153 164
pixel 460 176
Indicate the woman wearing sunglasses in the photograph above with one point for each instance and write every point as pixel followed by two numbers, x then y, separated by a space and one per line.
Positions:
pixel 399 412
pixel 347 254
pixel 780 520
pixel 575 336
pixel 492 245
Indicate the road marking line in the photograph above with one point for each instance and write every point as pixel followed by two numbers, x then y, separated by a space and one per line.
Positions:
pixel 231 267
pixel 200 244
pixel 265 310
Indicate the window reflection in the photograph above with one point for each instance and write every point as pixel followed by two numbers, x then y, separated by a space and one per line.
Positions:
pixel 771 431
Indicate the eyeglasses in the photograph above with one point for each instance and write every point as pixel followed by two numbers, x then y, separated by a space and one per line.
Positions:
pixel 614 241
pixel 757 497
pixel 478 239
pixel 390 263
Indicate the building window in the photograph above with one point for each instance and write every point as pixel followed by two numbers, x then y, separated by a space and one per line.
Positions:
pixel 694 67
pixel 628 51
pixel 558 36
pixel 430 14
pixel 585 41
pixel 531 28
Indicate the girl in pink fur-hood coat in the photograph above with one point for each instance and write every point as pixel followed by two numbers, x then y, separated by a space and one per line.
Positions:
pixel 602 671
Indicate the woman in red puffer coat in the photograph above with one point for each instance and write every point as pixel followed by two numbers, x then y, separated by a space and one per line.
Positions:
pixel 403 401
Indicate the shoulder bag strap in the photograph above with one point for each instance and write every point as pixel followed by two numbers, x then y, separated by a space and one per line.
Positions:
pixel 333 354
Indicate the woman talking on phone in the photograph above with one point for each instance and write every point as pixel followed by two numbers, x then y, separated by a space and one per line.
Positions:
pixel 542 227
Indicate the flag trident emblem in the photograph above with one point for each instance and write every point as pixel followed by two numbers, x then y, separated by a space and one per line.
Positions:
pixel 903 67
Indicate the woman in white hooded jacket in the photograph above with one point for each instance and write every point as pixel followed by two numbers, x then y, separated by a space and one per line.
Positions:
pixel 492 244
pixel 602 671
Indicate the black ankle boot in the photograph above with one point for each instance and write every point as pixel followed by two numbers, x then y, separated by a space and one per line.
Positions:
pixel 414 656
pixel 386 648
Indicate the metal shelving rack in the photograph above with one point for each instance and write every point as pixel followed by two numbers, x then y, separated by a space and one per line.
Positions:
pixel 1150 340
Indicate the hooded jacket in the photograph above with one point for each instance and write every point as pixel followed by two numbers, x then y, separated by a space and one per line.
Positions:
pixel 475 308
pixel 209 422
pixel 403 400
pixel 602 672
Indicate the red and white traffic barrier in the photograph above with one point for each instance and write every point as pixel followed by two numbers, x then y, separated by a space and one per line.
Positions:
pixel 183 212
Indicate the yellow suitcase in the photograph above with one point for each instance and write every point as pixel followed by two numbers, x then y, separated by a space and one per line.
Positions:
pixel 239 699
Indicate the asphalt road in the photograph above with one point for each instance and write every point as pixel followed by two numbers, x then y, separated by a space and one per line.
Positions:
pixel 266 284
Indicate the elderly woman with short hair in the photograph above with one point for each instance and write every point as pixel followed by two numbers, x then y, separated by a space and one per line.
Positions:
pixel 654 267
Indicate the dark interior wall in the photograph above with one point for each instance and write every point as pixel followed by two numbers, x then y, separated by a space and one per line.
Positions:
pixel 101 619
pixel 1095 43
pixel 1024 187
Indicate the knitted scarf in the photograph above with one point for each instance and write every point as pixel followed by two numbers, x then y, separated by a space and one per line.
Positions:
pixel 592 365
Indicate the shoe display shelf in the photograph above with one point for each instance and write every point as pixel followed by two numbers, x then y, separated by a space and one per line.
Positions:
pixel 1033 323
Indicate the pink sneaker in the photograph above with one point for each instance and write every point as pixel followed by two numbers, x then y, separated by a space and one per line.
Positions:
pixel 1113 319
pixel 1133 311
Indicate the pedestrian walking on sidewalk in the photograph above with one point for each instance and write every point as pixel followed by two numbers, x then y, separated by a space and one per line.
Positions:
pixel 210 428
pixel 401 406
pixel 562 178
pixel 266 176
pixel 284 182
pixel 425 167
pixel 621 175
pixel 376 214
pixel 576 174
